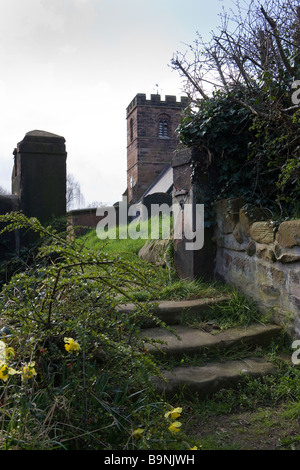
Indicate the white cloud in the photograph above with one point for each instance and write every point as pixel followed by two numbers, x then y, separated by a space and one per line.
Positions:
pixel 72 66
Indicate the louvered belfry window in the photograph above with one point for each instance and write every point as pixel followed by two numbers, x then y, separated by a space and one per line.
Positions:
pixel 163 127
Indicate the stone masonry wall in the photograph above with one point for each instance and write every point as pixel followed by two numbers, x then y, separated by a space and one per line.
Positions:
pixel 261 259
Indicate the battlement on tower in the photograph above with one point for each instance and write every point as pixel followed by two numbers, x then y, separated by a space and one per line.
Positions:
pixel 155 100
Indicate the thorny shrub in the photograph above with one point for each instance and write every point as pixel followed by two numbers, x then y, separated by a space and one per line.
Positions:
pixel 61 314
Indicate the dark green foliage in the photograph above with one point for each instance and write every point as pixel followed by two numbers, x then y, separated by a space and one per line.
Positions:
pixel 244 155
pixel 85 400
pixel 246 132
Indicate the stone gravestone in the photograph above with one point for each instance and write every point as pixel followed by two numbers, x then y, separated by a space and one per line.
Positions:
pixel 39 175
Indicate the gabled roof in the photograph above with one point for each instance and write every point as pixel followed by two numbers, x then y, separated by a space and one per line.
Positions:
pixel 162 184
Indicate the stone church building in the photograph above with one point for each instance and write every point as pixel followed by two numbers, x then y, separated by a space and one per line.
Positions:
pixel 151 142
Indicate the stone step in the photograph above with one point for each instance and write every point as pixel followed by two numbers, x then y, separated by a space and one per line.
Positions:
pixel 171 311
pixel 210 378
pixel 183 340
pixel 191 341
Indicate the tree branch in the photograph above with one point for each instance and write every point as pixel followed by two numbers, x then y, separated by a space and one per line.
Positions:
pixel 198 88
pixel 284 58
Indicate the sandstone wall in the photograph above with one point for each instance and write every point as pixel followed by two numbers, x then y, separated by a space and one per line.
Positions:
pixel 261 258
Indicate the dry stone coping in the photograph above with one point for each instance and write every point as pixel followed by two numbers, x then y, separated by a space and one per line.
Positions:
pixel 288 234
pixel 262 232
pixel 247 216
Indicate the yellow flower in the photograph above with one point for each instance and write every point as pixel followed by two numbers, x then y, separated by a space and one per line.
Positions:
pixel 193 448
pixel 28 371
pixel 71 345
pixel 9 353
pixel 5 371
pixel 175 427
pixel 174 414
pixel 138 432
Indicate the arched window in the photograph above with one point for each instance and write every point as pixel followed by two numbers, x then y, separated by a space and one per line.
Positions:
pixel 131 130
pixel 163 126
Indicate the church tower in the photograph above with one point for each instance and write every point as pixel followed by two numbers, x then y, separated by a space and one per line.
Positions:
pixel 151 139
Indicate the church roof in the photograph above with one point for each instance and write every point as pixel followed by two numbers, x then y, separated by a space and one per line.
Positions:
pixel 162 184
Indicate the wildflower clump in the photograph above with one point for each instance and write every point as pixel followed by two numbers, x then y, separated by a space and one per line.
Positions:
pixel 28 371
pixel 6 354
pixel 6 371
pixel 174 427
pixel 173 414
pixel 71 346
pixel 138 432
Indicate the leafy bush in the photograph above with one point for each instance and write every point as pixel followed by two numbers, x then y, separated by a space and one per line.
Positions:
pixel 60 315
pixel 242 155
pixel 244 116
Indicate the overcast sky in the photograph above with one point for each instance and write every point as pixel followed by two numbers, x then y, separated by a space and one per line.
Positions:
pixel 71 67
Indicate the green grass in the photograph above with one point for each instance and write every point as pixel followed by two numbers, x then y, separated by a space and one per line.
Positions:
pixel 167 284
pixel 111 245
pixel 120 240
pixel 262 413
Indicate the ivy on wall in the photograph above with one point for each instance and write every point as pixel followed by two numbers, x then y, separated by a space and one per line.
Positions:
pixel 244 154
pixel 246 133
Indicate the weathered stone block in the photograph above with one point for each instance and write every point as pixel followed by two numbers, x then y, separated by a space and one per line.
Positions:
pixel 238 234
pixel 288 234
pixel 262 232
pixel 269 291
pixel 271 278
pixel 229 241
pixel 265 252
pixel 248 215
pixel 278 276
pixel 251 248
pixel 227 213
pixel 289 257
pixel 156 252
pixel 286 255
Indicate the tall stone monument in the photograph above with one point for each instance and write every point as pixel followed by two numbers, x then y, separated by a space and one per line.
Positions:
pixel 39 175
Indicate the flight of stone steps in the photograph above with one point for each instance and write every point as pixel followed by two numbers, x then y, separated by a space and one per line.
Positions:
pixel 185 340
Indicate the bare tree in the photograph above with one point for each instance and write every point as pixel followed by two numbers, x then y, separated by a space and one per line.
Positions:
pixel 74 197
pixel 254 44
pixel 3 192
pixel 249 67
